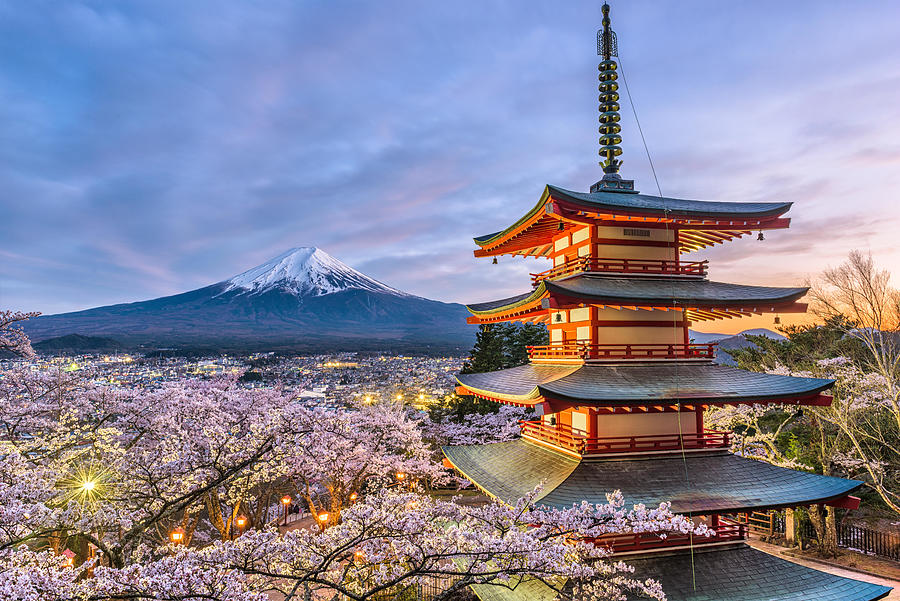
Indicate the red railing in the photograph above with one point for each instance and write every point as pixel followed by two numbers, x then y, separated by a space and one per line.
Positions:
pixel 643 541
pixel 586 351
pixel 645 266
pixel 563 437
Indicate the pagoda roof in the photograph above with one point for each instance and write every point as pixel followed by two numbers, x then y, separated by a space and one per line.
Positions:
pixel 558 204
pixel 638 383
pixel 697 483
pixel 645 292
pixel 733 573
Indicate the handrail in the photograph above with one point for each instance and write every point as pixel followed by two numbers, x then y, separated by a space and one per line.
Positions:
pixel 605 265
pixel 564 437
pixel 621 543
pixel 584 350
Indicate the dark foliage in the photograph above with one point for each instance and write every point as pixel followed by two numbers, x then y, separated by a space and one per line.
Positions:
pixel 501 346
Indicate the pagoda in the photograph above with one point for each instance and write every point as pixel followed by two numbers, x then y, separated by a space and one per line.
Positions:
pixel 620 392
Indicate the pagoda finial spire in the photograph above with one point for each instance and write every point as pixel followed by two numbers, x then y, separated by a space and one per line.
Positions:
pixel 607 47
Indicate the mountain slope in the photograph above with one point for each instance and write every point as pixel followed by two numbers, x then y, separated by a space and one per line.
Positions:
pixel 302 300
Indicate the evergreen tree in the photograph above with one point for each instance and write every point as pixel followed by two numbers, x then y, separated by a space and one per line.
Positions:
pixel 501 345
pixel 487 354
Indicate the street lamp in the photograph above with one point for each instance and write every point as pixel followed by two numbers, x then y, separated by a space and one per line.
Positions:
pixel 323 516
pixel 177 535
pixel 286 500
pixel 353 496
pixel 401 476
pixel 241 523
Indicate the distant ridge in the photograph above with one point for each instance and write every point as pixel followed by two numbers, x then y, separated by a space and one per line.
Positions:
pixel 727 342
pixel 302 300
pixel 76 343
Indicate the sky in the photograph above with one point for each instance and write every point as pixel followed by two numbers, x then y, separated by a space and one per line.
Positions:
pixel 152 147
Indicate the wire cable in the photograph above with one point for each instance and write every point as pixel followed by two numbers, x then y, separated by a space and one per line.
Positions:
pixel 675 313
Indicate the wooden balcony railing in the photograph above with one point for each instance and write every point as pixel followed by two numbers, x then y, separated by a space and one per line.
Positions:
pixel 586 351
pixel 639 266
pixel 563 437
pixel 644 541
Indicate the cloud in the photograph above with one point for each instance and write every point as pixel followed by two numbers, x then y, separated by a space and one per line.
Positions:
pixel 158 146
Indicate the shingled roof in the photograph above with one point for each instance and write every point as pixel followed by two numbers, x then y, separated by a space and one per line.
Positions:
pixel 631 203
pixel 738 573
pixel 637 382
pixel 665 292
pixel 714 482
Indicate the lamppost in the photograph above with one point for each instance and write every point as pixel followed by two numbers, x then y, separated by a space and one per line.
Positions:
pixel 286 501
pixel 177 536
pixel 241 523
pixel 353 496
pixel 323 517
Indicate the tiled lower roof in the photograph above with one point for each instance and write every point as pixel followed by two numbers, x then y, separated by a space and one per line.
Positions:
pixel 642 291
pixel 738 573
pixel 639 382
pixel 745 574
pixel 696 483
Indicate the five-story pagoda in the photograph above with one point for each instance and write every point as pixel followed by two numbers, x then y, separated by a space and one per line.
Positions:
pixel 621 390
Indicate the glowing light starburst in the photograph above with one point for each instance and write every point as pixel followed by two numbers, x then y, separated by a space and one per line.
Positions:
pixel 86 484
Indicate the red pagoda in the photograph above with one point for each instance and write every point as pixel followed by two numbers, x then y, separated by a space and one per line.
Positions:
pixel 620 391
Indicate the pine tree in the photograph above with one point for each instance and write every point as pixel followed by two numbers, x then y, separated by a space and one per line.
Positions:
pixel 487 354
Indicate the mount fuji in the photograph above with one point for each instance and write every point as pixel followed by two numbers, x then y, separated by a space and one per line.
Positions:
pixel 301 300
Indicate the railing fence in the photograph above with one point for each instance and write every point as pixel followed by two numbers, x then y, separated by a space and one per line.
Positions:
pixel 849 536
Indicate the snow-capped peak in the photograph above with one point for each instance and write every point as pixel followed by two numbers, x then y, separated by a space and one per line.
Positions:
pixel 306 271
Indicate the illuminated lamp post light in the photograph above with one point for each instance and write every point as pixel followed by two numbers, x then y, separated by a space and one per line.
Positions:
pixel 177 536
pixel 241 524
pixel 323 517
pixel 401 478
pixel 353 496
pixel 285 501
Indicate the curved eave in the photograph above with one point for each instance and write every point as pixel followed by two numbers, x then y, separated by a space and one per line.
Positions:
pixel 532 232
pixel 522 306
pixel 637 383
pixel 517 385
pixel 701 294
pixel 641 293
pixel 718 482
pixel 670 208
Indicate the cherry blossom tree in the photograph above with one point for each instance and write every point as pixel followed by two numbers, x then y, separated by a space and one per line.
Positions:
pixel 393 540
pixel 474 428
pixel 861 295
pixel 120 469
pixel 93 478
pixel 12 338
pixel 342 453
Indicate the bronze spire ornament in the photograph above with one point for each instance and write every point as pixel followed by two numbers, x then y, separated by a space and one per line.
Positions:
pixel 607 47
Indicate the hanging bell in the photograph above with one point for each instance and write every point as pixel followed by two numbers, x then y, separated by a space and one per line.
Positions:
pixel 760 236
pixel 561 227
pixel 494 261
pixel 777 320
pixel 558 317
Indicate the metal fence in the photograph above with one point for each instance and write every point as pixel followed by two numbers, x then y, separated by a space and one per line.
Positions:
pixel 857 538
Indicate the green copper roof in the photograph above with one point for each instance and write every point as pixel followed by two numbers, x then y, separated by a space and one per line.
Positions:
pixel 643 204
pixel 489 467
pixel 715 482
pixel 636 382
pixel 674 207
pixel 745 574
pixel 518 589
pixel 734 573
pixel 667 292
pixel 508 303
